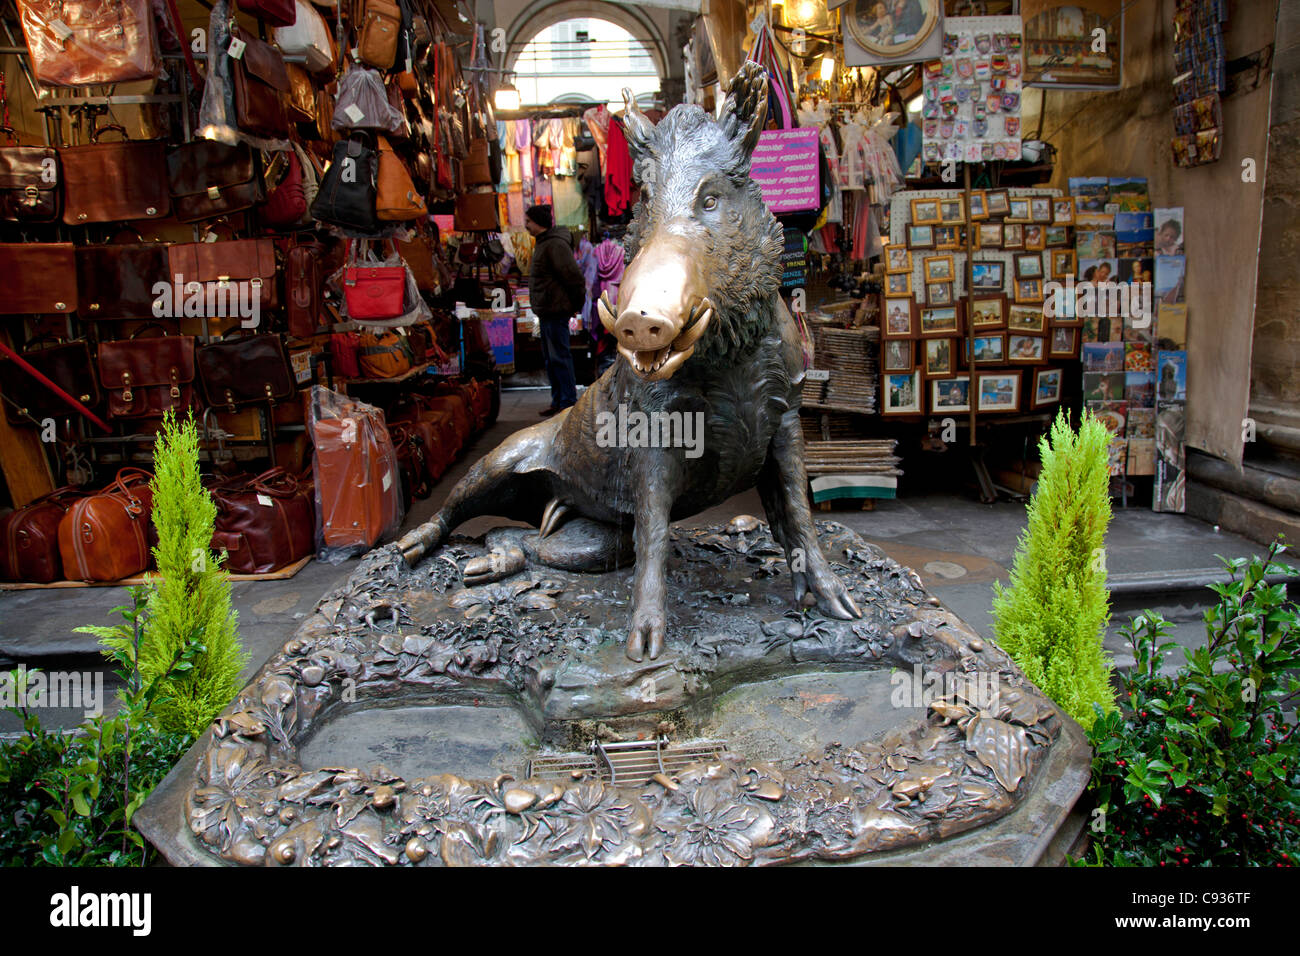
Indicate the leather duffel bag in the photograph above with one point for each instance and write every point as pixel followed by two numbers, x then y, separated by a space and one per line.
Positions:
pixel 66 364
pixel 39 278
pixel 114 182
pixel 208 179
pixel 265 522
pixel 107 536
pixel 246 370
pixel 385 354
pixel 29 182
pixel 144 377
pixel 118 281
pixel 29 538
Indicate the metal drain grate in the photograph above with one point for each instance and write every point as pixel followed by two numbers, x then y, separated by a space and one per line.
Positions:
pixel 632 763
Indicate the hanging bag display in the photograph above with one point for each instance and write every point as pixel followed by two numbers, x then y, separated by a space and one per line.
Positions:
pixel 235 274
pixel 372 290
pixel 90 42
pixel 29 182
pixel 395 197
pixel 286 206
pixel 244 370
pixel 208 179
pixel 107 536
pixel 363 103
pixel 27 267
pixel 347 193
pixel 145 377
pixel 378 32
pixel 114 182
pixel 261 87
pixel 119 281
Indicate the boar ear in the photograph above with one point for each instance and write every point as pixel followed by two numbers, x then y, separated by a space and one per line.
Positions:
pixel 637 126
pixel 745 110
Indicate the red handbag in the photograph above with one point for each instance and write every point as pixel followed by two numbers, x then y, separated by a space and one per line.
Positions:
pixel 287 204
pixel 374 291
pixel 345 354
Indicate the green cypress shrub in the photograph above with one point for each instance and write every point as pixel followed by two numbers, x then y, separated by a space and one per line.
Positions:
pixel 1052 619
pixel 189 597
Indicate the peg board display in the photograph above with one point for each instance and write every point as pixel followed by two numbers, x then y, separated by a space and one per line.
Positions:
pixel 971 109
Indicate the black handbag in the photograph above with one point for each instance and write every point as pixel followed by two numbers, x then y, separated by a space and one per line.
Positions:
pixel 348 192
pixel 246 370
pixel 208 179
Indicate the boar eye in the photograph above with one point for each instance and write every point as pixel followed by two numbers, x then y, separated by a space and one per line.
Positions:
pixel 710 203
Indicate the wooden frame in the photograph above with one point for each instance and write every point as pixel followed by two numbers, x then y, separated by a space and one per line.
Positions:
pixel 895 349
pixel 939 293
pixel 1040 209
pixel 948 274
pixel 1035 237
pixel 897 380
pixel 1063 335
pixel 998 201
pixel 947 325
pixel 1027 290
pixel 938 386
pixel 898 284
pixel 1026 318
pixel 1035 399
pixel 1063 211
pixel 1057 236
pixel 892 264
pixel 890 315
pixel 988 235
pixel 1013 236
pixel 1024 349
pixel 988 267
pixel 1019 209
pixel 949 216
pixel 916 237
pixel 979 205
pixel 1063 263
pixel 949 238
pixel 1007 404
pixel 992 355
pixel 938 362
pixel 984 306
pixel 1024 268
pixel 922 215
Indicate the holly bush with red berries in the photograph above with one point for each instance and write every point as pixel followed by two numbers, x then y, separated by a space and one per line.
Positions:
pixel 1202 767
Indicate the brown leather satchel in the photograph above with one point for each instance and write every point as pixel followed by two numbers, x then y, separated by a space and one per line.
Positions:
pixel 107 536
pixel 261 88
pixel 146 376
pixel 246 370
pixel 302 288
pixel 396 199
pixel 477 212
pixel 208 179
pixel 119 281
pixel 219 265
pixel 264 522
pixel 66 364
pixel 114 182
pixel 29 538
pixel 29 182
pixel 377 34
pixel 425 261
pixel 476 170
pixel 38 278
pixel 90 42
pixel 302 95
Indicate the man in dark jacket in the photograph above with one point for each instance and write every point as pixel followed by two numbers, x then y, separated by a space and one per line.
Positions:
pixel 556 291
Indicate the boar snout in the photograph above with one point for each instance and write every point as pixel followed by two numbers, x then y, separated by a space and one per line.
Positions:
pixel 663 308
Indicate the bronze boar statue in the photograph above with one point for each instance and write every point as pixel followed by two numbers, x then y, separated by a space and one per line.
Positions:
pixel 701 332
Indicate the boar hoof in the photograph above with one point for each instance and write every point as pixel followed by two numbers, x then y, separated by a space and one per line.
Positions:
pixel 832 597
pixel 645 635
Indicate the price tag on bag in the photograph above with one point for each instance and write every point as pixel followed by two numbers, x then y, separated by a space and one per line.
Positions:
pixel 354 114
pixel 61 30
pixel 264 500
pixel 818 375
pixel 236 48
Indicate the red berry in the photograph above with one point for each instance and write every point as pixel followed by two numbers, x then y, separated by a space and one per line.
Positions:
pixel 1184 861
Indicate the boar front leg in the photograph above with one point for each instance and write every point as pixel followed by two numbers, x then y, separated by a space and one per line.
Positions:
pixel 783 487
pixel 654 500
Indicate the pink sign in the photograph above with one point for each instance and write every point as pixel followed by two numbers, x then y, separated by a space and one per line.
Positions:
pixel 785 168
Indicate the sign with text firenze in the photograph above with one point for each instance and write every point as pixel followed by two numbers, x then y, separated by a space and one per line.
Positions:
pixel 785 168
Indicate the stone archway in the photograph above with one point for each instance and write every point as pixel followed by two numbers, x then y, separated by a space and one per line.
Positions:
pixel 540 14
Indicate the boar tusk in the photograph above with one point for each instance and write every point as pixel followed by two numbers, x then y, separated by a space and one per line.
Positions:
pixel 606 312
pixel 692 335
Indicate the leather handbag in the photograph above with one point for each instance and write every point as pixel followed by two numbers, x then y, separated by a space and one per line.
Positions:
pixel 90 42
pixel 424 258
pixel 477 212
pixel 208 179
pixel 395 197
pixel 358 488
pixel 476 169
pixel 29 182
pixel 107 536
pixel 345 354
pixel 408 445
pixel 377 33
pixel 302 288
pixel 302 94
pixel 119 281
pixel 261 87
pixel 277 13
pixel 221 265
pixel 308 37
pixel 348 189
pixel 27 268
pixel 374 292
pixel 66 364
pixel 385 354
pixel 246 370
pixel 144 377
pixel 114 182
pixel 264 522
pixel 286 206
pixel 29 538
